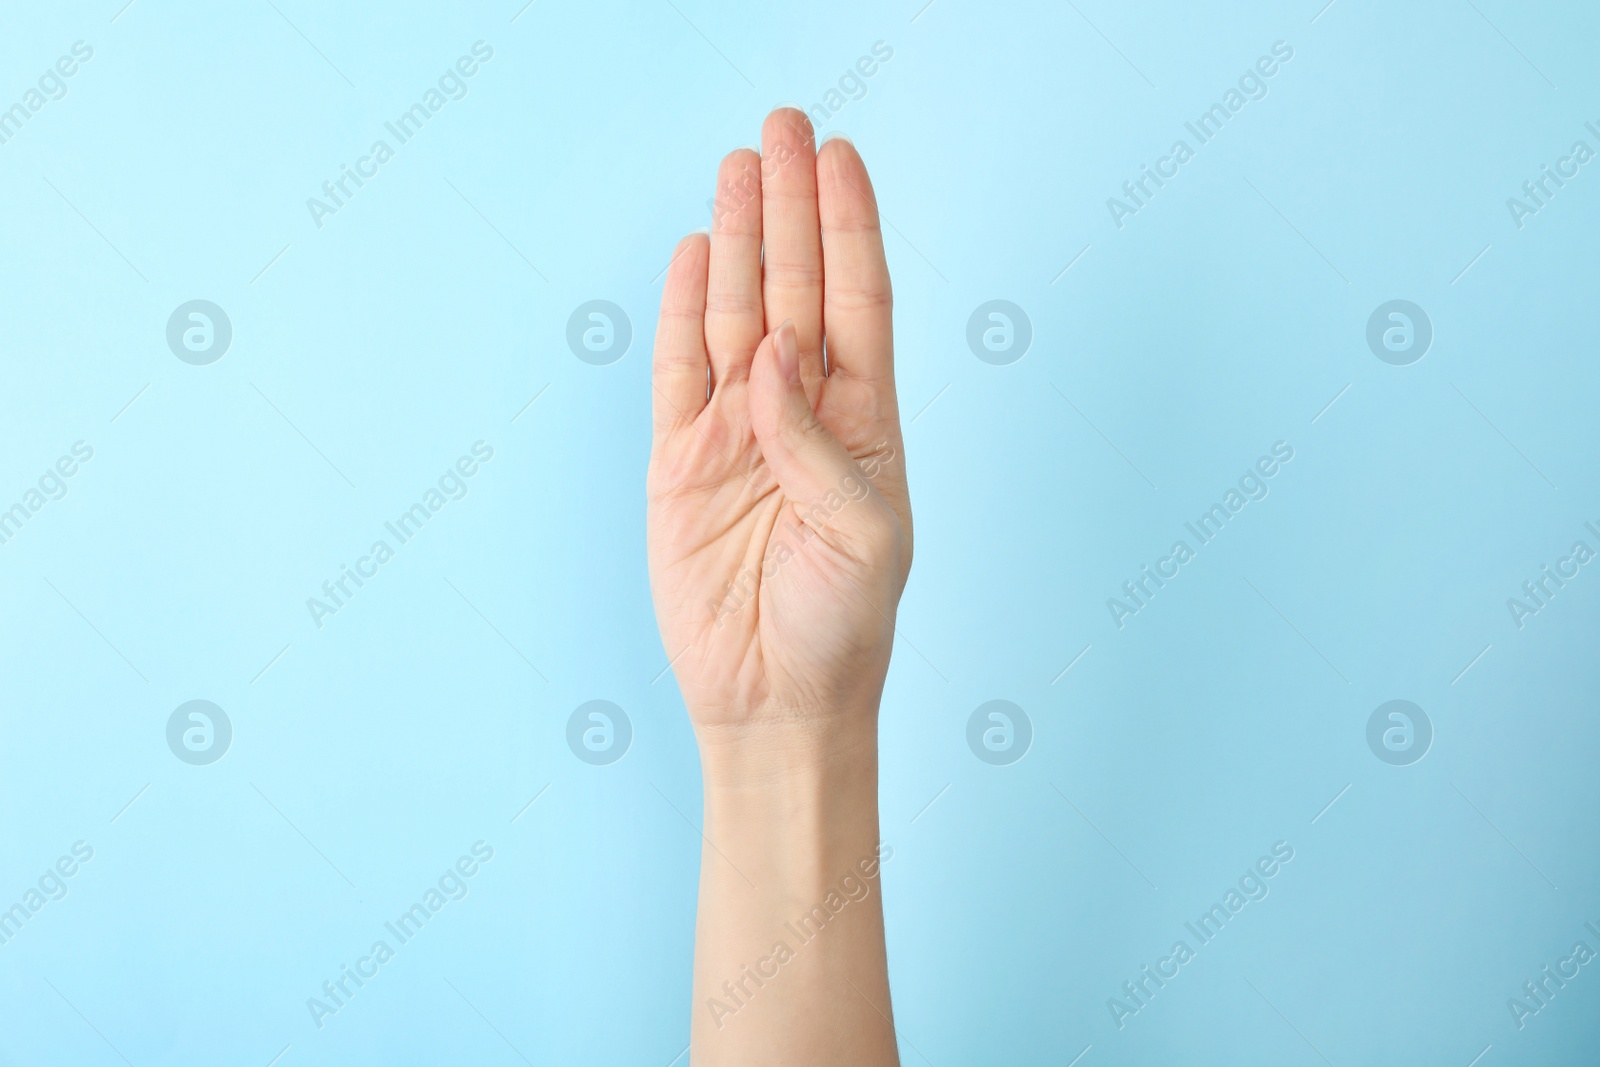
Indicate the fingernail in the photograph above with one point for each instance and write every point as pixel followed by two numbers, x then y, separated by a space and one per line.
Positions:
pixel 787 347
pixel 835 136
pixel 786 104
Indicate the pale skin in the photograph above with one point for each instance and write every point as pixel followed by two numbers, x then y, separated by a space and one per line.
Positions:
pixel 780 541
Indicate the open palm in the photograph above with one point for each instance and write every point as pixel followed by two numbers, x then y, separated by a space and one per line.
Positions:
pixel 779 522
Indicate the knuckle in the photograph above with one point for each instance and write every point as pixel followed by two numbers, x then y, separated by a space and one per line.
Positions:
pixel 859 298
pixel 854 222
pixel 794 274
pixel 731 303
pixel 681 313
pixel 805 432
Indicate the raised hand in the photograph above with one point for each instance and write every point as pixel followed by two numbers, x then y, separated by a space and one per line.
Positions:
pixel 780 540
pixel 780 527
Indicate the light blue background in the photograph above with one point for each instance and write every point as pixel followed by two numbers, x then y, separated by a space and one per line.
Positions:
pixel 370 353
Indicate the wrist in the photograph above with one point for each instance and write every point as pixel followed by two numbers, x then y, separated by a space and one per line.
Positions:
pixel 788 755
pixel 796 802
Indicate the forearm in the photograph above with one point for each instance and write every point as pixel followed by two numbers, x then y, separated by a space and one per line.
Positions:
pixel 790 965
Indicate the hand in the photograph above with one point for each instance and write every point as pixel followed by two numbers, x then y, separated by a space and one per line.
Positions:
pixel 779 521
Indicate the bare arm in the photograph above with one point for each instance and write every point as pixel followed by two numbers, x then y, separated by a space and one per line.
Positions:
pixel 789 951
pixel 780 541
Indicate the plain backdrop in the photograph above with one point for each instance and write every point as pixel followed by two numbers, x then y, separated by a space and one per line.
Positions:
pixel 375 345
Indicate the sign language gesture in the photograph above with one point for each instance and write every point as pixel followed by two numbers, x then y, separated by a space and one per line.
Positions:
pixel 780 540
pixel 780 527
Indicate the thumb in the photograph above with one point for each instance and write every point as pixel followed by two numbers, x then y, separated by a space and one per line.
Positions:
pixel 814 470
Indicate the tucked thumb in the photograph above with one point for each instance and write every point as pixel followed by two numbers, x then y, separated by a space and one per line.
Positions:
pixel 813 468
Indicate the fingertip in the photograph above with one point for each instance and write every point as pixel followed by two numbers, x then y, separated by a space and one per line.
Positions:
pixel 738 193
pixel 787 123
pixel 763 408
pixel 693 248
pixel 786 349
pixel 736 163
pixel 838 153
pixel 840 169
